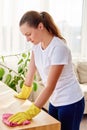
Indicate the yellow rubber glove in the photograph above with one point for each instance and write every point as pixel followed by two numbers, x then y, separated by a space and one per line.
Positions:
pixel 20 117
pixel 25 92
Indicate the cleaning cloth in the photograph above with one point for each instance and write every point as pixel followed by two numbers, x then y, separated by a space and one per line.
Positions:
pixel 5 120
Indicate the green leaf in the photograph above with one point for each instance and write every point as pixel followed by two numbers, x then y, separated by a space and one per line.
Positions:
pixel 20 61
pixel 1 78
pixel 21 83
pixel 2 72
pixel 28 54
pixel 10 70
pixel 16 79
pixel 24 55
pixel 8 78
pixel 26 62
pixel 35 86
pixel 20 69
pixel 12 85
pixel 2 58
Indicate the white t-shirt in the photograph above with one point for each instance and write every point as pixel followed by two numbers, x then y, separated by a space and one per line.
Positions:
pixel 67 90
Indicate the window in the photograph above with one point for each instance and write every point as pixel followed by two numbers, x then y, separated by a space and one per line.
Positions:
pixel 66 13
pixel 68 16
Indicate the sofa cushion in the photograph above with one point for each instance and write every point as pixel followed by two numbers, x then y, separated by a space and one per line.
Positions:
pixel 84 90
pixel 82 72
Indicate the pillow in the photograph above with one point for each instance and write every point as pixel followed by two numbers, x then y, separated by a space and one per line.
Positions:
pixel 82 72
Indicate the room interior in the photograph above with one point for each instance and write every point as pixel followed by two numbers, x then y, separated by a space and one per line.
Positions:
pixel 71 18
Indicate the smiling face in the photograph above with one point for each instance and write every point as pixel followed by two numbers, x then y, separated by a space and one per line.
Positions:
pixel 32 34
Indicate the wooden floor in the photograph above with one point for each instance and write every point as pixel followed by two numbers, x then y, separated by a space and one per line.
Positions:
pixel 84 123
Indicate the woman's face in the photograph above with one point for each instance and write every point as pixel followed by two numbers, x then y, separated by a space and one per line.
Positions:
pixel 32 34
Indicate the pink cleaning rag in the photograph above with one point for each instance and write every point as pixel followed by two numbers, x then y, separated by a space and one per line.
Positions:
pixel 5 120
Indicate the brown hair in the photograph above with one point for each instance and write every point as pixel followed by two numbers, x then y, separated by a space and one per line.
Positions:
pixel 33 18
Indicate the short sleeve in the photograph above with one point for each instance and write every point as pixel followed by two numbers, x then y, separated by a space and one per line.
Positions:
pixel 60 55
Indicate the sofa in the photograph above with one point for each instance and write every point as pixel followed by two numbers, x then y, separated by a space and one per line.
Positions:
pixel 80 69
pixel 81 74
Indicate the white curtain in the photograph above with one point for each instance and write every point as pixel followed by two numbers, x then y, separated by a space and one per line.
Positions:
pixel 9 30
pixel 84 31
pixel 11 39
pixel 67 14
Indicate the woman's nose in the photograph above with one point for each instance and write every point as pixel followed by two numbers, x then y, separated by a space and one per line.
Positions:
pixel 28 39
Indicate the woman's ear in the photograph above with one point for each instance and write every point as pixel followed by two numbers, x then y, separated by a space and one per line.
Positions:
pixel 40 26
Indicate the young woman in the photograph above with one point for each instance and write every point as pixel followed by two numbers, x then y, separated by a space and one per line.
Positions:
pixel 52 58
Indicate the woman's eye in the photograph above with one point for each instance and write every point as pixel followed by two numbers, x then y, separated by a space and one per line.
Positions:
pixel 28 34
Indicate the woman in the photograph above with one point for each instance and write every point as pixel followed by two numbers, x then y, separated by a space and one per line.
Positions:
pixel 52 58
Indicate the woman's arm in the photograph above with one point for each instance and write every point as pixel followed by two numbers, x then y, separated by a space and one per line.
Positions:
pixel 53 76
pixel 35 108
pixel 26 88
pixel 31 72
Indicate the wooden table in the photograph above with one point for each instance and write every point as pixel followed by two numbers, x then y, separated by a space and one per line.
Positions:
pixel 10 104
